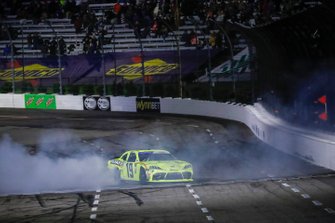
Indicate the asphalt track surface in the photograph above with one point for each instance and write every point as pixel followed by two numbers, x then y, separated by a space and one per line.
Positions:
pixel 237 177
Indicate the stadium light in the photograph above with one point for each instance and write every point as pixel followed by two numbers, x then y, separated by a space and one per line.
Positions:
pixel 59 56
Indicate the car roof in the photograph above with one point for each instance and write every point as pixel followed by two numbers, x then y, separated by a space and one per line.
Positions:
pixel 150 150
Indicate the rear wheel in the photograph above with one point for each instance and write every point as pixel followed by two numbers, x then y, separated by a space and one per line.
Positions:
pixel 143 176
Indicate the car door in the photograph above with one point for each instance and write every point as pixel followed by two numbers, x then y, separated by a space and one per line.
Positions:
pixel 123 170
pixel 130 166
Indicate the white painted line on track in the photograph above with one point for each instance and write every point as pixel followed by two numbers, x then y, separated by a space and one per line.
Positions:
pixel 199 203
pixel 93 216
pixel 94 209
pixel 210 134
pixel 285 185
pixel 196 196
pixel 209 218
pixel 194 126
pixel 203 209
pixel 306 196
pixel 329 210
pixel 317 203
pixel 96 202
pixel 216 142
pixel 157 138
pixel 208 130
pixel 295 190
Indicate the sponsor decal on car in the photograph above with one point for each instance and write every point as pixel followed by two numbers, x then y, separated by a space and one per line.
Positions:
pixel 117 162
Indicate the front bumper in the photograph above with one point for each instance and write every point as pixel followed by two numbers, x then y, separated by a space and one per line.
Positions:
pixel 161 176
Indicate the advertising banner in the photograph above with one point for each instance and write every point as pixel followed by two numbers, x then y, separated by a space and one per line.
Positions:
pixel 148 105
pixel 40 101
pixel 159 66
pixel 223 72
pixel 98 103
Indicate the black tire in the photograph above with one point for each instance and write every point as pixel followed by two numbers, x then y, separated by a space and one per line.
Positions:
pixel 143 177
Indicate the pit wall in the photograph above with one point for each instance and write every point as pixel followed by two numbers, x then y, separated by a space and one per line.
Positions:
pixel 314 147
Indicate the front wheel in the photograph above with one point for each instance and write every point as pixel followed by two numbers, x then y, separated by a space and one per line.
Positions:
pixel 143 176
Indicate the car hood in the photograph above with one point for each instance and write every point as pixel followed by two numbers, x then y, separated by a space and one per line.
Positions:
pixel 168 165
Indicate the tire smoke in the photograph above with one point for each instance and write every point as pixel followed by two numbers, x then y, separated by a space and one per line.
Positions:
pixel 61 163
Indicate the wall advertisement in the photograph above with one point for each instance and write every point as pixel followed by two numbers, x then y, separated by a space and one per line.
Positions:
pixel 99 103
pixel 40 101
pixel 148 105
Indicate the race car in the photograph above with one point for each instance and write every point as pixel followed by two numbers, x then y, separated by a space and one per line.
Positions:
pixel 151 166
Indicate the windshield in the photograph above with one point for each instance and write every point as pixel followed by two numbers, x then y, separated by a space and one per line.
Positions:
pixel 150 156
pixel 160 156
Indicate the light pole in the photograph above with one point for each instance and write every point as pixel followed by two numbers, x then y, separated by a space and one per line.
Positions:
pixel 11 58
pixel 179 57
pixel 59 57
pixel 22 22
pixel 142 64
pixel 101 37
pixel 209 59
pixel 114 50
pixel 231 55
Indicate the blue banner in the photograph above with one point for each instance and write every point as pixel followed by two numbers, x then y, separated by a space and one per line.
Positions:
pixel 159 66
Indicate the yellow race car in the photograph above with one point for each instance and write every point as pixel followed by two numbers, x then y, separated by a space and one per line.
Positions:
pixel 151 166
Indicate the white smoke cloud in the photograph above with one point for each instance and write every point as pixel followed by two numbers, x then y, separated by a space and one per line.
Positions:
pixel 228 152
pixel 22 173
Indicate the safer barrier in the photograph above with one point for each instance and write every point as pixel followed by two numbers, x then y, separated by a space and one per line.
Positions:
pixel 314 147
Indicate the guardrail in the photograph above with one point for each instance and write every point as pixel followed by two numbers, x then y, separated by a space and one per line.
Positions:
pixel 315 147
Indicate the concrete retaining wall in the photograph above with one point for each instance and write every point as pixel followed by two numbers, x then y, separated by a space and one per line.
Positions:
pixel 314 147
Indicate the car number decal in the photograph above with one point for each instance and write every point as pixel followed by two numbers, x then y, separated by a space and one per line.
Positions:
pixel 130 170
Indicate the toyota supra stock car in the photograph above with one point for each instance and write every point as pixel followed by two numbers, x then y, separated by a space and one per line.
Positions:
pixel 151 166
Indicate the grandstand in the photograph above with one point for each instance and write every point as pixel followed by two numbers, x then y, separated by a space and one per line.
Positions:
pixel 95 28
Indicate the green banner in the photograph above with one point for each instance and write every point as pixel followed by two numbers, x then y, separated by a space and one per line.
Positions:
pixel 40 101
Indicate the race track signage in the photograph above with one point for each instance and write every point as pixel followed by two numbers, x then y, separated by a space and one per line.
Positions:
pixel 159 66
pixel 148 105
pixel 96 103
pixel 40 101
